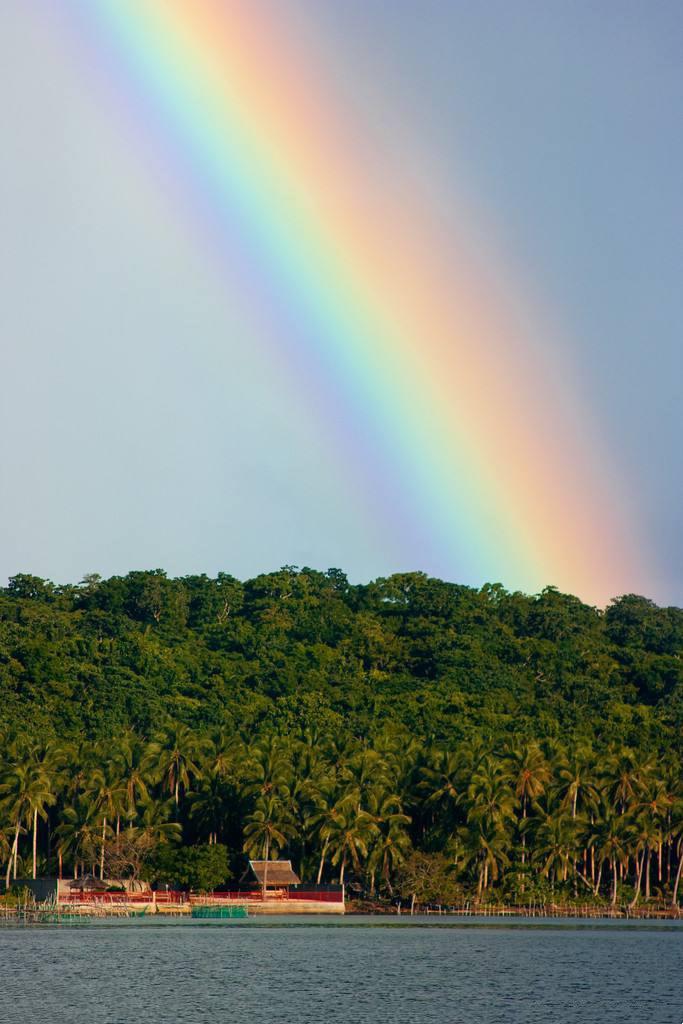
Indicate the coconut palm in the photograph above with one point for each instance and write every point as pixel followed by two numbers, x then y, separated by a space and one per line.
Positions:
pixel 177 755
pixel 655 805
pixel 490 815
pixel 443 784
pixel 529 774
pixel 155 822
pixel 225 756
pixel 5 843
pixel 626 778
pixel 486 846
pixel 555 845
pixel 611 836
pixel 78 836
pixel 134 763
pixel 644 834
pixel 107 793
pixel 491 801
pixel 672 784
pixel 677 838
pixel 329 810
pixel 365 771
pixel 577 788
pixel 208 805
pixel 391 843
pixel 24 792
pixel 349 834
pixel 306 796
pixel 266 831
pixel 41 797
pixel 268 769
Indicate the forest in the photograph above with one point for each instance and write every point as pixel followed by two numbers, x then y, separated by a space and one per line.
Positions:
pixel 406 736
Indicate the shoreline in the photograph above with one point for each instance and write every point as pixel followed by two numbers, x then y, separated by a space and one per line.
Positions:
pixel 84 914
pixel 582 911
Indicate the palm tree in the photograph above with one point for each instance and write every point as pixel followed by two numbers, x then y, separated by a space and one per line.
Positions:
pixel 391 843
pixel 677 836
pixel 577 788
pixel 672 780
pixel 486 846
pixel 48 763
pixel 644 834
pixel 155 822
pixel 366 770
pixel 349 833
pixel 655 804
pixel 626 778
pixel 107 793
pixel 224 756
pixel 443 783
pixel 324 819
pixel 529 773
pixel 306 796
pixel 5 844
pixel 41 797
pixel 489 816
pixel 208 805
pixel 404 757
pixel 610 836
pixel 490 797
pixel 555 845
pixel 79 762
pixel 268 770
pixel 21 790
pixel 78 834
pixel 266 830
pixel 177 755
pixel 134 762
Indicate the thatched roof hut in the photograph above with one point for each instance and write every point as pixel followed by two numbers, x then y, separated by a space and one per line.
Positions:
pixel 88 884
pixel 274 874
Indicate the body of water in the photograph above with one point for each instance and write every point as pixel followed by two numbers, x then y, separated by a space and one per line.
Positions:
pixel 351 970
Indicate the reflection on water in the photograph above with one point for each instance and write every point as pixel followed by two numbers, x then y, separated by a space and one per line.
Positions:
pixel 358 970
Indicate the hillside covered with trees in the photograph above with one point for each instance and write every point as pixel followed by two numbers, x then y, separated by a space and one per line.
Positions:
pixel 406 734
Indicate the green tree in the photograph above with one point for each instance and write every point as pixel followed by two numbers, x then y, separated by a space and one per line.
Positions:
pixel 177 754
pixel 266 831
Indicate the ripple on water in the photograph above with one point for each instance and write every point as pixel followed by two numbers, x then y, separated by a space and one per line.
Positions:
pixel 352 971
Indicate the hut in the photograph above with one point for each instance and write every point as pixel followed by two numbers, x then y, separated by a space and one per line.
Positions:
pixel 88 883
pixel 274 877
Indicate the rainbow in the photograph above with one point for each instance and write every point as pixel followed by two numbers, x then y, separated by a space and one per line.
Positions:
pixel 445 384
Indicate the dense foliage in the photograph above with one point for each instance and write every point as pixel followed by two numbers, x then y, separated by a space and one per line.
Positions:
pixel 507 743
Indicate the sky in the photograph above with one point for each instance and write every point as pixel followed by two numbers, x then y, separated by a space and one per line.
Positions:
pixel 149 416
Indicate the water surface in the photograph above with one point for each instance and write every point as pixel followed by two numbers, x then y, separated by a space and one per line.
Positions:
pixel 351 970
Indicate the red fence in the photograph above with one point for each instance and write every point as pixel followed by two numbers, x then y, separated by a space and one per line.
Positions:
pixel 170 896
pixel 324 896
pixel 250 894
pixel 123 897
pixel 313 895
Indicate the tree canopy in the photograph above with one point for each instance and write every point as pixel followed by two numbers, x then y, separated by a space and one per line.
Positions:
pixel 354 726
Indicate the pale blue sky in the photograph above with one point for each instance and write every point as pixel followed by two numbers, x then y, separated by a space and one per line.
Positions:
pixel 135 430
